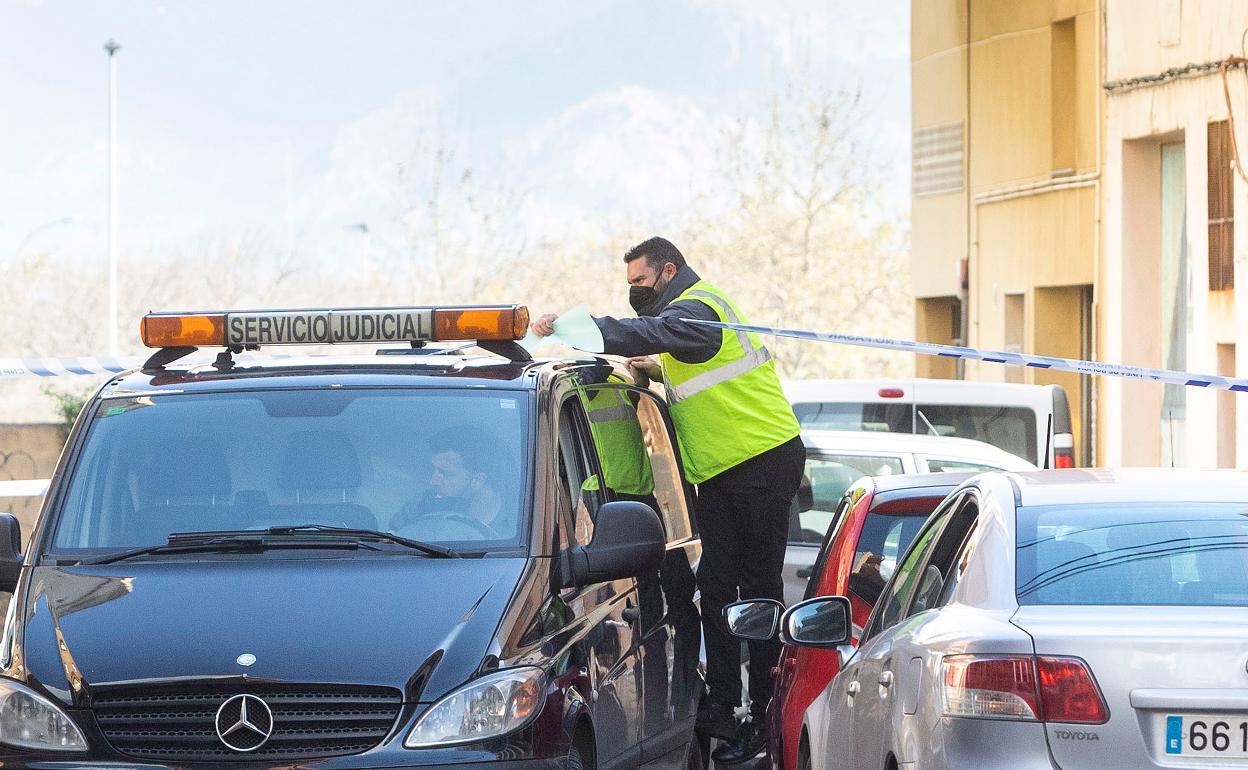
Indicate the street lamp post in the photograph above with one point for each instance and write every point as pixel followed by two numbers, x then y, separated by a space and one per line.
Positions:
pixel 111 48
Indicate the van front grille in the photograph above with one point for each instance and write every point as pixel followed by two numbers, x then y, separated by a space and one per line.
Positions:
pixel 177 721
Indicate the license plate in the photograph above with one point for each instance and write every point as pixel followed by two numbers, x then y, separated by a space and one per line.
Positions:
pixel 1206 735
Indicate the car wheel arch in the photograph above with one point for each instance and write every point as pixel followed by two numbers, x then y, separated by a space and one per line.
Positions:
pixel 578 721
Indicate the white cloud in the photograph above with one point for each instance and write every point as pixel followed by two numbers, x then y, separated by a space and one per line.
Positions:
pixel 816 33
pixel 633 151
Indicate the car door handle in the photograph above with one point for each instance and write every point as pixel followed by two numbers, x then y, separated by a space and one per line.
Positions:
pixel 886 679
pixel 805 572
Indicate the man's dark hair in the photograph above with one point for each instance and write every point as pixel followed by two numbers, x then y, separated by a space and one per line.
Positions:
pixel 472 444
pixel 657 252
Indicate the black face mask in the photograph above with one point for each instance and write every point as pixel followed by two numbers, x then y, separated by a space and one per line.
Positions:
pixel 645 299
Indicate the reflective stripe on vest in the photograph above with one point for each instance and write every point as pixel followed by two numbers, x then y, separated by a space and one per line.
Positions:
pixel 747 344
pixel 755 356
pixel 752 360
pixel 621 411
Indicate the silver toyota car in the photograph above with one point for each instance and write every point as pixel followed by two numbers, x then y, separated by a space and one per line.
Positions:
pixel 1056 619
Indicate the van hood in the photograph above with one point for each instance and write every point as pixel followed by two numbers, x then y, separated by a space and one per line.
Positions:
pixel 417 624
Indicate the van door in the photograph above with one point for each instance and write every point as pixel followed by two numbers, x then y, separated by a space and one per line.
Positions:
pixel 612 646
pixel 636 451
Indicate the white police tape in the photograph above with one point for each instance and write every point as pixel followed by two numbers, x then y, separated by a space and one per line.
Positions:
pixel 1078 366
pixel 14 368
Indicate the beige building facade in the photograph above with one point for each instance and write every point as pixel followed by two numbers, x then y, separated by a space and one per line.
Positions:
pixel 1171 246
pixel 1006 111
pixel 1074 195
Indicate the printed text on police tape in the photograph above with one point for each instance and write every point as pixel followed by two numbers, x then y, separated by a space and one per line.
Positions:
pixel 1078 366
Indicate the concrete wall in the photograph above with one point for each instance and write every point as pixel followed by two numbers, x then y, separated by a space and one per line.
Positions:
pixel 1145 37
pixel 27 452
pixel 1024 77
pixel 1139 118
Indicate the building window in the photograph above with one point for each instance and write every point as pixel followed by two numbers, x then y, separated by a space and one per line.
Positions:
pixel 1062 74
pixel 1174 302
pixel 1221 208
pixel 1226 409
pixel 1014 330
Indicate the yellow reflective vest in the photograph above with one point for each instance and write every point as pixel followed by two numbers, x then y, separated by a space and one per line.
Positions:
pixel 621 446
pixel 730 408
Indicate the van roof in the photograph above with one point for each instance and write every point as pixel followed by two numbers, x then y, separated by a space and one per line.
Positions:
pixel 947 391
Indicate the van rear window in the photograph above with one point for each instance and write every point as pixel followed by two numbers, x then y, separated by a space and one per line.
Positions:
pixel 1012 428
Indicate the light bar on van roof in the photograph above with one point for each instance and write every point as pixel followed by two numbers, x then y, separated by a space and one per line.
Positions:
pixel 334 327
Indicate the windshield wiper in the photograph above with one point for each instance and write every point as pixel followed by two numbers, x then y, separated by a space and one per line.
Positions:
pixel 241 540
pixel 317 529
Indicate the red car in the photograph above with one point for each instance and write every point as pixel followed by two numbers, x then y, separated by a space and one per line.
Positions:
pixel 871 528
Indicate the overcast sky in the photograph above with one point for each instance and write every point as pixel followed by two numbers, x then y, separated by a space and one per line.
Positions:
pixel 269 116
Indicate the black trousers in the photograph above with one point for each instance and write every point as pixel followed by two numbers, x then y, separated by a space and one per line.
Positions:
pixel 743 517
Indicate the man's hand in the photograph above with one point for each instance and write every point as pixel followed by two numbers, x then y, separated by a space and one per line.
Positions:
pixel 545 325
pixel 645 369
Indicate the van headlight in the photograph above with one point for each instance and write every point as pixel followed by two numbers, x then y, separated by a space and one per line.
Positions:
pixel 488 707
pixel 30 721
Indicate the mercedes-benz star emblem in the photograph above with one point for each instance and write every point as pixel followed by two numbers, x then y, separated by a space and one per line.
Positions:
pixel 244 723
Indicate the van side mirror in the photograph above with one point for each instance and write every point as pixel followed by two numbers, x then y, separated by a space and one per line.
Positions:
pixel 10 551
pixel 820 622
pixel 754 620
pixel 628 541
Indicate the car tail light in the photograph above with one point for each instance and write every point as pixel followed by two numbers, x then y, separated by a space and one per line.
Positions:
pixel 1064 459
pixel 892 393
pixel 1022 687
pixel 990 686
pixel 1068 693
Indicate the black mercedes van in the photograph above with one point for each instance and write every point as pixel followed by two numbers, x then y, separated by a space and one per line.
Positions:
pixel 413 558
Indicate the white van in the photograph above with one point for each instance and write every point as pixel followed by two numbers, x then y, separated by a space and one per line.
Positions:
pixel 1014 417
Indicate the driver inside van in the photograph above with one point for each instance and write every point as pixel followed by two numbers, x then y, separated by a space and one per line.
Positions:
pixel 462 485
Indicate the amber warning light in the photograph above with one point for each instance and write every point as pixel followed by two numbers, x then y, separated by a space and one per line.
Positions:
pixel 334 327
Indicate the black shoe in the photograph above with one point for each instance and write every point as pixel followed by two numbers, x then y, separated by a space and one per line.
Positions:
pixel 717 720
pixel 749 742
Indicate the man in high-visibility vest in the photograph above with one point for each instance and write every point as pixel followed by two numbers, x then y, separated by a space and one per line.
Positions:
pixel 739 444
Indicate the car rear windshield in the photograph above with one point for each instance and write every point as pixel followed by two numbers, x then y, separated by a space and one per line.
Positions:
pixel 1142 554
pixel 1012 428
pixel 885 537
pixel 435 465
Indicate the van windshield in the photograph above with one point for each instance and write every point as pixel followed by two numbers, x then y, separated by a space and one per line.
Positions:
pixel 1012 428
pixel 433 465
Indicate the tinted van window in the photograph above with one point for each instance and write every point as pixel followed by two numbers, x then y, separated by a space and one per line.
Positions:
pixel 429 464
pixel 1144 554
pixel 1012 428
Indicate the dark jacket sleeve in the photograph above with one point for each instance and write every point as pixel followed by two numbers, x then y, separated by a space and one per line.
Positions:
pixel 664 333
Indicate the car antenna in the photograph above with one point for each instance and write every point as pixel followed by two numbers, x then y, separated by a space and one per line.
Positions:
pixel 1048 445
